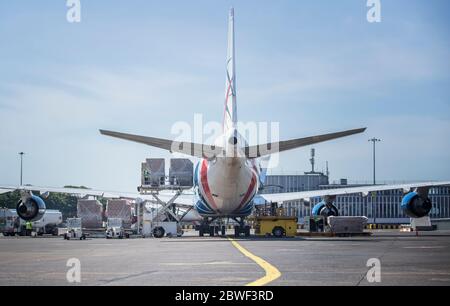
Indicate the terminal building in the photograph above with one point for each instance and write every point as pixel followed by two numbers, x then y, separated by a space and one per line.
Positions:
pixel 381 207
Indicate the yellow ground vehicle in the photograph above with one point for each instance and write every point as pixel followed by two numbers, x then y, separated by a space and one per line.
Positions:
pixel 277 226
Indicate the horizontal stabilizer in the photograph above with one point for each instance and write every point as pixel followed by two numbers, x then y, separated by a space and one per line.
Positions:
pixel 275 147
pixel 188 148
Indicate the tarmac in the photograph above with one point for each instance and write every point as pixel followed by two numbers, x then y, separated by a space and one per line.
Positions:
pixel 218 261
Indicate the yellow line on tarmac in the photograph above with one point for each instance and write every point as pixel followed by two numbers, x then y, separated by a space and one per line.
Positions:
pixel 272 273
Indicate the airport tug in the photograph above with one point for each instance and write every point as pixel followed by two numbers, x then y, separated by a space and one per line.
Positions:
pixel 74 229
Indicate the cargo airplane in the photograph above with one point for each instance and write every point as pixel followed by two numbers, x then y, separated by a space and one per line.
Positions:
pixel 229 175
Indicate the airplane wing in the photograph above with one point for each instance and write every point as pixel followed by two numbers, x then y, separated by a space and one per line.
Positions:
pixel 5 189
pixel 275 147
pixel 188 148
pixel 81 192
pixel 185 199
pixel 364 190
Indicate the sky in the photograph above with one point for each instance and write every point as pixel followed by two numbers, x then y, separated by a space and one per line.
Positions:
pixel 314 66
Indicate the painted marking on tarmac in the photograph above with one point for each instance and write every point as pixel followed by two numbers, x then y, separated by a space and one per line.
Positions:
pixel 424 247
pixel 272 273
pixel 447 280
pixel 221 263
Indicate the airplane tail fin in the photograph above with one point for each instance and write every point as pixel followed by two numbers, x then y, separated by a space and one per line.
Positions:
pixel 230 111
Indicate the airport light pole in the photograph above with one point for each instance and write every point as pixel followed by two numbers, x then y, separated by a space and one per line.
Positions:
pixel 374 141
pixel 21 166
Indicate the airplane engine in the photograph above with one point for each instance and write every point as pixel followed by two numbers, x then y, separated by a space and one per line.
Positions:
pixel 31 208
pixel 322 209
pixel 415 205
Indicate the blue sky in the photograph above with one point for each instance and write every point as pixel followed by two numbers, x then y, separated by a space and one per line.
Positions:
pixel 139 66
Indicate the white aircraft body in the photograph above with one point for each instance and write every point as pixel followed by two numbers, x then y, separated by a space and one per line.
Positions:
pixel 229 175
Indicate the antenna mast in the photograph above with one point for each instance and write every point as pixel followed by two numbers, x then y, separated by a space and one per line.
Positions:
pixel 313 153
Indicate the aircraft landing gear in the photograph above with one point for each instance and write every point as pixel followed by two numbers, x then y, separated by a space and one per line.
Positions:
pixel 207 228
pixel 245 230
pixel 223 230
pixel 212 230
pixel 241 228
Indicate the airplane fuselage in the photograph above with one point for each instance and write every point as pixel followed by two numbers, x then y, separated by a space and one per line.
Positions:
pixel 226 184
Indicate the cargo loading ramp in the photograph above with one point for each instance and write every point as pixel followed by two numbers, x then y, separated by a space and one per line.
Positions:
pixel 159 217
pixel 163 193
pixel 168 209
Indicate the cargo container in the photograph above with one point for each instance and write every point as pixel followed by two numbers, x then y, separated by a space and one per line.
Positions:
pixel 153 172
pixel 91 213
pixel 181 172
pixel 120 208
pixel 347 225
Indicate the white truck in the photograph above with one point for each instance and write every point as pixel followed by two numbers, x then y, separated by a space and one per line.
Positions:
pixel 11 224
pixel 8 222
pixel 48 224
